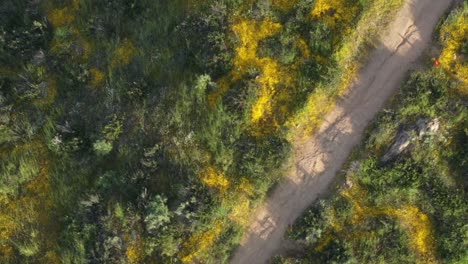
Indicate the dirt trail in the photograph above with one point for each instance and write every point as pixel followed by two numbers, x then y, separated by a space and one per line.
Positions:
pixel 318 159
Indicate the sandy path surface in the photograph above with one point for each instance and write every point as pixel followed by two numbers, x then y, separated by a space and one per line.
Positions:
pixel 319 159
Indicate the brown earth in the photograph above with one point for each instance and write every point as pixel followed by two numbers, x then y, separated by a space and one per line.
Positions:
pixel 319 158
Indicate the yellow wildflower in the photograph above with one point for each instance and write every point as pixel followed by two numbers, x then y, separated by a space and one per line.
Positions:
pixel 61 17
pixel 97 77
pixel 134 251
pixel 411 218
pixel 215 179
pixel 123 55
pixel 241 211
pixel 334 12
pixel 453 35
pixel 246 187
pixel 200 242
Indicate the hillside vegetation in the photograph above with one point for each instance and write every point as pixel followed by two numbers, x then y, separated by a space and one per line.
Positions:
pixel 146 131
pixel 404 194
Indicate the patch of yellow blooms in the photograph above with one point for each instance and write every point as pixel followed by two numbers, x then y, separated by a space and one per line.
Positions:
pixel 246 187
pixel 454 35
pixel 215 179
pixel 411 218
pixel 250 33
pixel 134 251
pixel 123 54
pixel 238 203
pixel 200 242
pixel 61 17
pixel 8 226
pixel 97 77
pixel 21 216
pixel 418 225
pixel 65 17
pixel 241 210
pixel 335 12
pixel 275 80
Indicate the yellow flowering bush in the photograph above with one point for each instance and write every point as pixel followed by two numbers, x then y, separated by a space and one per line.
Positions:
pixel 65 17
pixel 335 12
pixel 453 36
pixel 418 225
pixel 250 33
pixel 241 208
pixel 214 179
pixel 123 54
pixel 241 211
pixel 82 53
pixel 238 204
pixel 275 80
pixel 235 200
pixel 31 208
pixel 411 218
pixel 246 187
pixel 8 226
pixel 61 17
pixel 97 77
pixel 134 252
pixel 200 242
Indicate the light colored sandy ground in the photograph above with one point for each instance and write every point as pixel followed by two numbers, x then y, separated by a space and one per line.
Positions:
pixel 319 159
